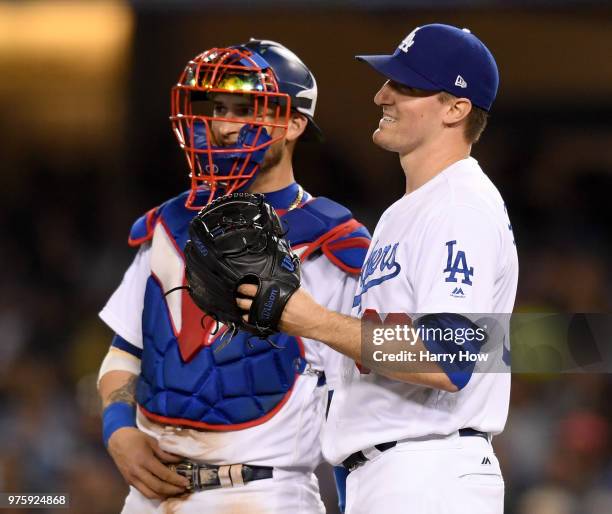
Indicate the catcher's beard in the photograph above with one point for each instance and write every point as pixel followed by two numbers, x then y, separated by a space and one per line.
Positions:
pixel 273 156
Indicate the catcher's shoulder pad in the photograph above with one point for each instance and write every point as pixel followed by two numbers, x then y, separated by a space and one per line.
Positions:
pixel 142 229
pixel 173 212
pixel 329 226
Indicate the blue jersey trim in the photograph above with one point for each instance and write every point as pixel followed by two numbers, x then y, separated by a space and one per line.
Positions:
pixel 122 344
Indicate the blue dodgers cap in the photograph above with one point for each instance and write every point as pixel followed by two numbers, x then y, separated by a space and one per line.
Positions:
pixel 440 57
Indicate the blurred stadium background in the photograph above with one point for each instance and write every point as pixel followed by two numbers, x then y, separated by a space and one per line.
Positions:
pixel 86 147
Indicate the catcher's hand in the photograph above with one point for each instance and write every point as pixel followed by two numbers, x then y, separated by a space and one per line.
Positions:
pixel 238 239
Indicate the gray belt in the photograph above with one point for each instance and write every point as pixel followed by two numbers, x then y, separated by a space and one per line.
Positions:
pixel 207 476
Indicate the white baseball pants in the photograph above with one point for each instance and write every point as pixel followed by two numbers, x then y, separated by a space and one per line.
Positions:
pixel 451 475
pixel 288 492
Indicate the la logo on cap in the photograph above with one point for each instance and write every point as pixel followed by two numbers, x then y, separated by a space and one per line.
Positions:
pixel 408 41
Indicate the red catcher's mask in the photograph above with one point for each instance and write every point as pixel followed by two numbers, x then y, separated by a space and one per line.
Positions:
pixel 222 167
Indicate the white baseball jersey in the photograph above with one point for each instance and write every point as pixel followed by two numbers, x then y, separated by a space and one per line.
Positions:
pixel 291 438
pixel 445 247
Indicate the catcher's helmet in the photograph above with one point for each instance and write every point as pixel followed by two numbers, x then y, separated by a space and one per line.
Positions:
pixel 293 77
pixel 274 79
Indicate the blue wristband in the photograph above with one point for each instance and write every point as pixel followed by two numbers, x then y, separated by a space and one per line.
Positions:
pixel 117 415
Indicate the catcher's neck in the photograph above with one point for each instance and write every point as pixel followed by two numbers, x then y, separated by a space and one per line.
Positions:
pixel 273 179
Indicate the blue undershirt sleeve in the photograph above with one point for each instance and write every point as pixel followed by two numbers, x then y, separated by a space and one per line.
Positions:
pixel 455 340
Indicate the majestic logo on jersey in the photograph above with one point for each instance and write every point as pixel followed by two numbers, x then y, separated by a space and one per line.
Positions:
pixel 457 265
pixel 457 293
pixel 380 263
pixel 408 41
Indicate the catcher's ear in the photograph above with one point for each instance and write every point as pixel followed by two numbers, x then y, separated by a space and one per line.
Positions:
pixel 296 127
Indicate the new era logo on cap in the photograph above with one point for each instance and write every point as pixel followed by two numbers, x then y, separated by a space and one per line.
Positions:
pixel 438 57
pixel 460 82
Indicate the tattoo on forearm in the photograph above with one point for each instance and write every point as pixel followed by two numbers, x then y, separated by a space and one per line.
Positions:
pixel 126 393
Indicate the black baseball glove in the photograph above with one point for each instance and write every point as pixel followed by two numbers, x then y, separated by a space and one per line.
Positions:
pixel 238 239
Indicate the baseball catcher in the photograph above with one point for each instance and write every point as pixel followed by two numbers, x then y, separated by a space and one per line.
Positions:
pixel 253 409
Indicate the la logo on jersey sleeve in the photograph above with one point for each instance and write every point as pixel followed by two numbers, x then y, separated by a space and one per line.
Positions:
pixel 457 266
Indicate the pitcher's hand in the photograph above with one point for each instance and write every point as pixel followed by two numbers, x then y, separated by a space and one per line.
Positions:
pixel 301 313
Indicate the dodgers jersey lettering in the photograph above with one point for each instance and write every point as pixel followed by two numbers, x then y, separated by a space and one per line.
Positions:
pixel 446 247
